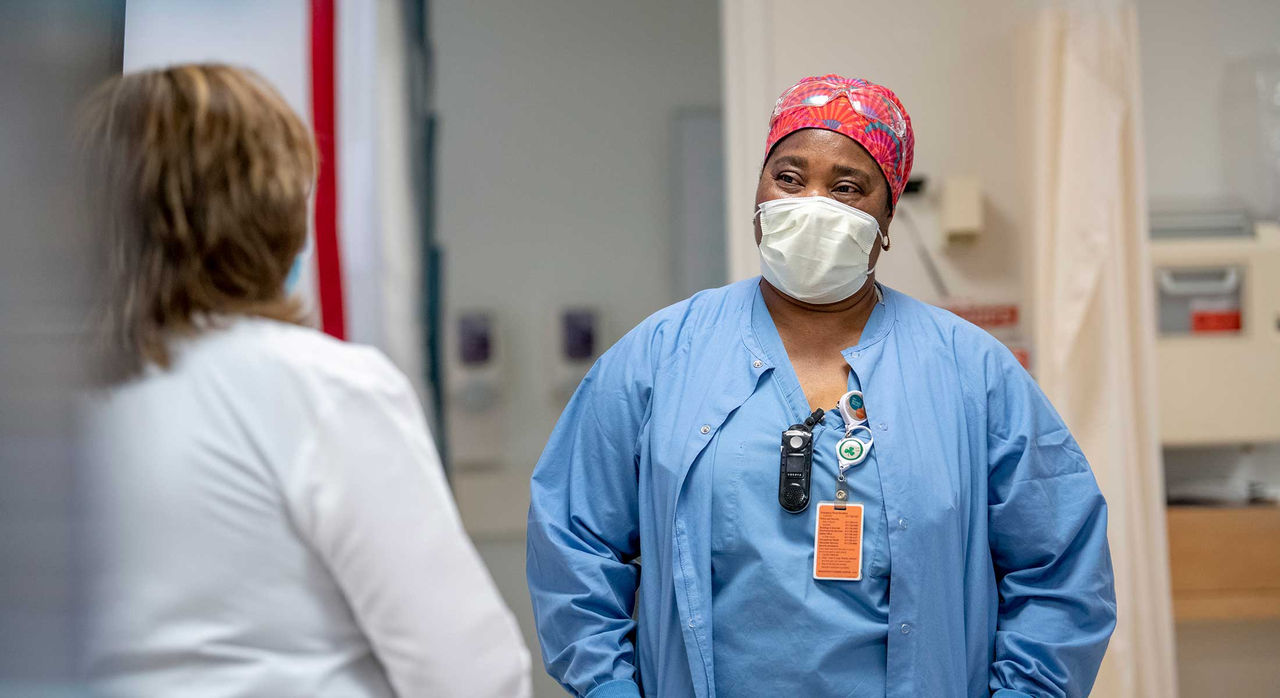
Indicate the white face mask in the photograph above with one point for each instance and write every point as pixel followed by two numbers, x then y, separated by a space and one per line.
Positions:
pixel 815 249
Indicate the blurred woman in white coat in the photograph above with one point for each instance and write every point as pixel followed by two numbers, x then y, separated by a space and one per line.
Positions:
pixel 269 515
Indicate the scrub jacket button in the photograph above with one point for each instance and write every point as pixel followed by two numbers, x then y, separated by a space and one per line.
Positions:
pixel 902 524
pixel 882 426
pixel 758 363
pixel 690 622
pixel 706 429
pixel 906 628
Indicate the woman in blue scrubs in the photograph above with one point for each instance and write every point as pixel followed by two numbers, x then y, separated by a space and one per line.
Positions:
pixel 672 551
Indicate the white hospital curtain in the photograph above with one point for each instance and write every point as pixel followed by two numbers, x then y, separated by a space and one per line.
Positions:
pixel 1093 311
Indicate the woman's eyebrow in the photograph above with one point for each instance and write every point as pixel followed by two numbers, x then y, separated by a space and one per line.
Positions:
pixel 791 161
pixel 846 171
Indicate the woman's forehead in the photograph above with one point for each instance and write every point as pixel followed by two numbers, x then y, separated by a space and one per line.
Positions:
pixel 818 147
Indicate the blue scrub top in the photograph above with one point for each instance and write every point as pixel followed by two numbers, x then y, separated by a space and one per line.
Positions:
pixel 765 601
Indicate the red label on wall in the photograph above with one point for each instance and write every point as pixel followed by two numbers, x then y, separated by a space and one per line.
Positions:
pixel 1215 320
pixel 987 316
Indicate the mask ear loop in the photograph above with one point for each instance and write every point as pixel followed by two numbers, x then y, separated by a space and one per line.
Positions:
pixel 758 216
pixel 884 245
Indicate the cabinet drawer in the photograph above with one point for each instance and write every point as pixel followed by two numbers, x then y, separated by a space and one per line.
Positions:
pixel 1225 562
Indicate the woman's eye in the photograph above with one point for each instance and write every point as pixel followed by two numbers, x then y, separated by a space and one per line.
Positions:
pixel 787 178
pixel 846 189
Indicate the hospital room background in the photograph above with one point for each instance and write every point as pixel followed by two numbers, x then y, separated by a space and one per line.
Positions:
pixel 513 185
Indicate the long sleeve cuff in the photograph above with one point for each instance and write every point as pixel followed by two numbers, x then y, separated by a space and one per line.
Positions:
pixel 1010 693
pixel 618 688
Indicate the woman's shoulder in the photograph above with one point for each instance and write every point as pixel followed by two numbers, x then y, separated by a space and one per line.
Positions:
pixel 926 322
pixel 258 349
pixel 704 314
pixel 716 304
pixel 939 333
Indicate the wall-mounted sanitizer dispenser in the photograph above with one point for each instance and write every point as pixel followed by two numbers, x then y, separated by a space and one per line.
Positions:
pixel 475 374
pixel 578 346
pixel 478 368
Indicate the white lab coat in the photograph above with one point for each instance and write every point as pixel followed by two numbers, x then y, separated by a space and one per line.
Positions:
pixel 269 518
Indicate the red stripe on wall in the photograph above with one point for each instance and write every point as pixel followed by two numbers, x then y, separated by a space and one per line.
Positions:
pixel 324 119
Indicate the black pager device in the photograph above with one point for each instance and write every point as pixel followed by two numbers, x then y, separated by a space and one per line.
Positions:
pixel 797 461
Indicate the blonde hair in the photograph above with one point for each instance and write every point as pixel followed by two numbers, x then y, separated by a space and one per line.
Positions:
pixel 200 176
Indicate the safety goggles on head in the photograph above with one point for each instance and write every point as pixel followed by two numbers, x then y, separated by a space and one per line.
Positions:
pixel 870 104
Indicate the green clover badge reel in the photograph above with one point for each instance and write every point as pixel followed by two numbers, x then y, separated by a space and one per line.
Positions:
pixel 852 450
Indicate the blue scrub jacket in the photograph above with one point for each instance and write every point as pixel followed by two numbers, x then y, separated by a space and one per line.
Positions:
pixel 1001 574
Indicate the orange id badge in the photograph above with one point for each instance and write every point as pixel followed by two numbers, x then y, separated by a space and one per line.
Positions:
pixel 837 542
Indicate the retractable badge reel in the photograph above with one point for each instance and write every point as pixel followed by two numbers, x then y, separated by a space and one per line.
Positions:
pixel 851 450
pixel 837 539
